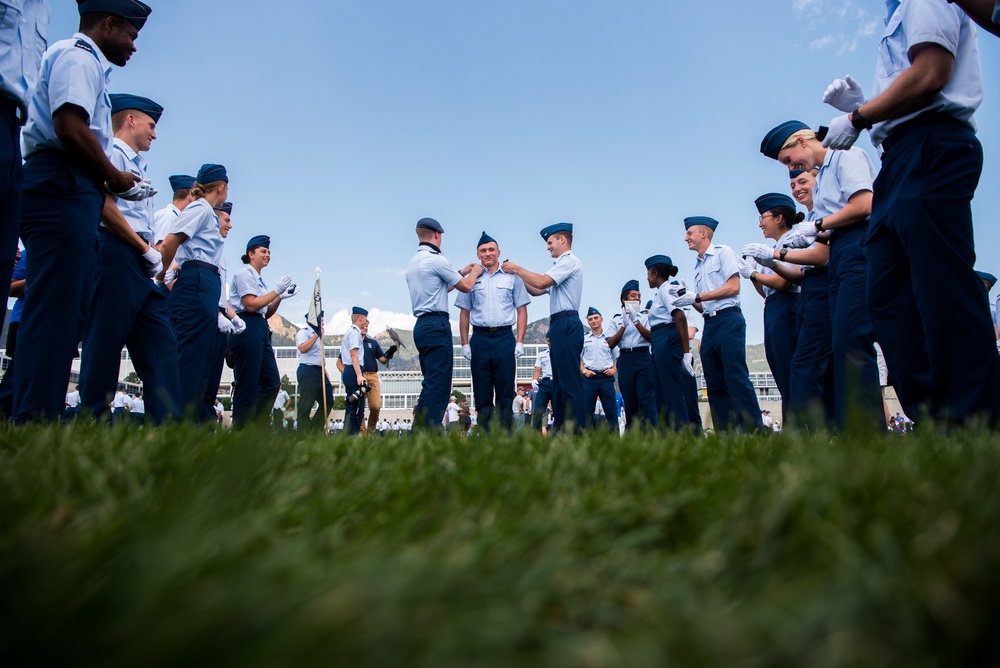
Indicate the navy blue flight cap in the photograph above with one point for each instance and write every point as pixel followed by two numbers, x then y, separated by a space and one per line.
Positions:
pixel 592 311
pixel 125 101
pixel 181 181
pixel 773 201
pixel 259 240
pixel 210 173
pixel 357 310
pixel 558 227
pixel 778 135
pixel 658 259
pixel 989 278
pixel 226 207
pixel 796 173
pixel 429 224
pixel 630 285
pixel 132 11
pixel 711 223
pixel 485 239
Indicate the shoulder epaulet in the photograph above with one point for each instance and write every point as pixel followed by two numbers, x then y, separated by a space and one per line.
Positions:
pixel 81 44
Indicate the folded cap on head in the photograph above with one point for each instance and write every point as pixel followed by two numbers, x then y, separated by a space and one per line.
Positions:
pixel 132 11
pixel 260 240
pixel 989 278
pixel 225 207
pixel 778 135
pixel 181 181
pixel 795 173
pixel 429 224
pixel 630 285
pixel 558 227
pixel 770 201
pixel 592 311
pixel 125 101
pixel 357 310
pixel 710 223
pixel 658 259
pixel 485 239
pixel 210 173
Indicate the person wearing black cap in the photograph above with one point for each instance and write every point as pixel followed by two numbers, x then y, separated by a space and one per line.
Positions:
pixel 67 141
pixel 497 302
pixel 668 334
pixel 598 366
pixel 23 36
pixel 564 285
pixel 723 346
pixel 181 186
pixel 195 243
pixel 635 365
pixel 128 310
pixel 781 296
pixel 256 380
pixel 842 201
pixel 429 278
pixel 353 377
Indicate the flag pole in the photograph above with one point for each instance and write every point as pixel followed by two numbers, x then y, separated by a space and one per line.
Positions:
pixel 322 356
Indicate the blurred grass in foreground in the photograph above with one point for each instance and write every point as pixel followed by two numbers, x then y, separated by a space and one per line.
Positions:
pixel 180 547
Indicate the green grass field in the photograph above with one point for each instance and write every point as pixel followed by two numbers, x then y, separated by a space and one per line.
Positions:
pixel 179 547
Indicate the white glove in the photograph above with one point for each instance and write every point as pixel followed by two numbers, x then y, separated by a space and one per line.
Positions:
pixel 799 239
pixel 238 325
pixel 518 349
pixel 688 362
pixel 467 351
pixel 290 292
pixel 225 326
pixel 746 268
pixel 170 276
pixel 283 284
pixel 762 253
pixel 686 299
pixel 844 95
pixel 154 262
pixel 627 317
pixel 841 135
pixel 534 384
pixel 140 191
pixel 675 290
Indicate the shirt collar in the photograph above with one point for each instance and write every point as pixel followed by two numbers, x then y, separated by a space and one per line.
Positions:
pixel 105 64
pixel 891 6
pixel 129 153
pixel 569 252
pixel 429 245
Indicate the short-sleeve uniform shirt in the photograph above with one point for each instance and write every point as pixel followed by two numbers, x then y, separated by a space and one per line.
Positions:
pixel 596 354
pixel 428 277
pixel 712 271
pixel 245 282
pixel 566 294
pixel 310 357
pixel 494 299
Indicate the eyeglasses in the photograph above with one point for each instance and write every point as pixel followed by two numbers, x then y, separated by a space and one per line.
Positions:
pixel 760 218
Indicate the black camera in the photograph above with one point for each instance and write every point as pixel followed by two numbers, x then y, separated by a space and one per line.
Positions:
pixel 355 396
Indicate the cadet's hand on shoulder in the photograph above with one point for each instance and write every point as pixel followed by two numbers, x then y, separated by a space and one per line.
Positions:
pixel 509 267
pixel 283 284
pixel 842 134
pixel 225 326
pixel 844 94
pixel 153 262
pixel 238 325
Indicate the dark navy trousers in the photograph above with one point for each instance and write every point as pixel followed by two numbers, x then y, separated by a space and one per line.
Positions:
pixel 811 383
pixel 208 414
pixel 855 370
pixel 354 414
pixel 566 345
pixel 11 182
pixel 781 335
pixel 194 315
pixel 724 360
pixel 541 401
pixel 128 310
pixel 432 336
pixel 493 367
pixel 255 372
pixel 635 380
pixel 310 380
pixel 667 371
pixel 601 387
pixel 921 255
pixel 689 386
pixel 61 210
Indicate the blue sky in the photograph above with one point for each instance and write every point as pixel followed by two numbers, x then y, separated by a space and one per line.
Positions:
pixel 342 123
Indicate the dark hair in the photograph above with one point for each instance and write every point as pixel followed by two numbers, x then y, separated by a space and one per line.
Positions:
pixel 181 193
pixel 568 235
pixel 90 20
pixel 788 215
pixel 664 271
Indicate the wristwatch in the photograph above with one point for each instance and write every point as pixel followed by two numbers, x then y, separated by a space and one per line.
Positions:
pixel 697 299
pixel 782 254
pixel 753 276
pixel 819 224
pixel 858 121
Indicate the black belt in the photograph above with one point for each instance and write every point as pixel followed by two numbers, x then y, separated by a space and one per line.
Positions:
pixel 544 378
pixel 923 120
pixel 815 271
pixel 200 263
pixel 721 311
pixel 248 314
pixel 599 372
pixel 433 314
pixel 486 330
pixel 781 294
pixel 222 310
pixel 562 314
pixel 637 349
pixel 660 326
pixel 14 108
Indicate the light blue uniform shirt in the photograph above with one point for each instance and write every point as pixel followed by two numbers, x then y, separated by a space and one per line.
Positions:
pixel 199 222
pixel 761 269
pixel 543 361
pixel 711 273
pixel 596 355
pixel 428 278
pixel 494 299
pixel 163 220
pixel 842 174
pixel 310 357
pixel 930 22
pixel 138 214
pixel 24 36
pixel 662 310
pixel 566 294
pixel 631 338
pixel 74 71
pixel 353 340
pixel 245 282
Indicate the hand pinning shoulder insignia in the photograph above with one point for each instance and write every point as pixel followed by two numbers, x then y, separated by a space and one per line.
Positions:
pixel 80 44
